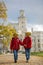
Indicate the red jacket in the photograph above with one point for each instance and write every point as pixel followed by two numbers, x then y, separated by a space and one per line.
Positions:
pixel 15 44
pixel 27 42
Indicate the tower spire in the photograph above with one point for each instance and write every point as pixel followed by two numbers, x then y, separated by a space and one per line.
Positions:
pixel 21 12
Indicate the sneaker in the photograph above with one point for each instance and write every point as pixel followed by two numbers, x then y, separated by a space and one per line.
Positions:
pixel 15 61
pixel 26 61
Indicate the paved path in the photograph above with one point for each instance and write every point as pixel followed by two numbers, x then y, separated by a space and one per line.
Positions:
pixel 8 60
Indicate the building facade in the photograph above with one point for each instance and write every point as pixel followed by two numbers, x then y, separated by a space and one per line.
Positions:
pixel 37 41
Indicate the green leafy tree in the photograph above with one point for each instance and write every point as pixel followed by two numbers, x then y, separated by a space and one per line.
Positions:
pixel 7 33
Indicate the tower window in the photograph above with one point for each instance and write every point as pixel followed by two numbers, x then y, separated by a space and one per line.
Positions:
pixel 38 45
pixel 38 40
pixel 22 26
pixel 22 22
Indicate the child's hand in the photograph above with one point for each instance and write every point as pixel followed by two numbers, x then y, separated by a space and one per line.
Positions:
pixel 25 45
pixel 11 51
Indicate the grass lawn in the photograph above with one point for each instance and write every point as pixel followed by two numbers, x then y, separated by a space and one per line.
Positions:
pixel 37 53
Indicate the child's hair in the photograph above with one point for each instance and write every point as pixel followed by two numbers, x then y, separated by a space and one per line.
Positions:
pixel 15 34
pixel 28 33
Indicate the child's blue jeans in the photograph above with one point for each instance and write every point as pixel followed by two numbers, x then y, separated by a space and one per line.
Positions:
pixel 27 53
pixel 15 55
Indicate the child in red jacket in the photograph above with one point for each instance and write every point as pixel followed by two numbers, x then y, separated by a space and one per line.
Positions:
pixel 15 46
pixel 27 42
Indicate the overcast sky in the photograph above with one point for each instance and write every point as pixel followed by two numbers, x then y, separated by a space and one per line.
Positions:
pixel 33 10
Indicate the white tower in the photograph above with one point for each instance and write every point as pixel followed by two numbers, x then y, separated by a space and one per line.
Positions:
pixel 22 23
